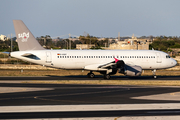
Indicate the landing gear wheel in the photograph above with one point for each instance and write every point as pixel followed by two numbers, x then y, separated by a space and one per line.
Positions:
pixel 154 74
pixel 90 75
pixel 107 76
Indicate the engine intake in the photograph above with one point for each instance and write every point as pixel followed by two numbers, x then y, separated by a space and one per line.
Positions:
pixel 132 70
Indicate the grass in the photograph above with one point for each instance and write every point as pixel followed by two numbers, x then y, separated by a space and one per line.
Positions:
pixel 114 82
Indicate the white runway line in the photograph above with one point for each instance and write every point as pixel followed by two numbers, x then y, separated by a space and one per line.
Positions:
pixel 98 107
pixel 21 89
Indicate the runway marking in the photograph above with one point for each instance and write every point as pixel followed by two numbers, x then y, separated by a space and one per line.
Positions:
pixel 93 107
pixel 40 97
pixel 173 96
pixel 174 93
pixel 21 89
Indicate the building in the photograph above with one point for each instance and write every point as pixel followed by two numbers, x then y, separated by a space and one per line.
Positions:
pixel 131 44
pixel 3 37
pixel 84 46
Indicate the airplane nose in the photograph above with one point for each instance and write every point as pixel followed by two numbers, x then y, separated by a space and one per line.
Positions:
pixel 174 62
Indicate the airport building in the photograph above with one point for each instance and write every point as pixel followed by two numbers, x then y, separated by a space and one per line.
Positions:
pixel 3 37
pixel 131 44
pixel 84 46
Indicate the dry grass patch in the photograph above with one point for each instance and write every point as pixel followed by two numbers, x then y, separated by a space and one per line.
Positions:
pixel 60 72
pixel 114 82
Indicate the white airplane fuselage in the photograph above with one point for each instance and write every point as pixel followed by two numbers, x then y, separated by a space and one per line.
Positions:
pixel 107 62
pixel 79 59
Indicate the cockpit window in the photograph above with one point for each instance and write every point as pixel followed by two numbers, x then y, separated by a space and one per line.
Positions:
pixel 167 56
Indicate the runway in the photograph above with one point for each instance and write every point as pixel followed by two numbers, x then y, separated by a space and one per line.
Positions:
pixel 84 77
pixel 17 99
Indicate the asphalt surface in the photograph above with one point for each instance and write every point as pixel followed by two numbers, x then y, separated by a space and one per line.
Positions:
pixel 97 77
pixel 61 94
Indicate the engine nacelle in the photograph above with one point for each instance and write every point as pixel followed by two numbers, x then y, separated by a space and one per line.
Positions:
pixel 132 70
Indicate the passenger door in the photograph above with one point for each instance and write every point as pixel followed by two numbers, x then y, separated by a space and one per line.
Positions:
pixel 48 57
pixel 158 58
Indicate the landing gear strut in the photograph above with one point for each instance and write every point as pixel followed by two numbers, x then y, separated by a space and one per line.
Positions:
pixel 154 73
pixel 90 75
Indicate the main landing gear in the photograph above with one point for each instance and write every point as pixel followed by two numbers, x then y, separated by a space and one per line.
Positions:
pixel 90 75
pixel 106 76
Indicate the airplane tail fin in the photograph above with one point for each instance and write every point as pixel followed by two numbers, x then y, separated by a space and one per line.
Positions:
pixel 25 39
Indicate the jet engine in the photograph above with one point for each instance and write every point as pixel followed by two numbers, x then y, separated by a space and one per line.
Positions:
pixel 133 70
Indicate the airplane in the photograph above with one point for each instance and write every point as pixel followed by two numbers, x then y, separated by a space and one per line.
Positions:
pixel 106 62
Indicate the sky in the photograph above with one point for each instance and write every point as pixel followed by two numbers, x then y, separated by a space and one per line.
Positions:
pixel 100 18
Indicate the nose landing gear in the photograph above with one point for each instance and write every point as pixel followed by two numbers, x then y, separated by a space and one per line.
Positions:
pixel 90 75
pixel 154 73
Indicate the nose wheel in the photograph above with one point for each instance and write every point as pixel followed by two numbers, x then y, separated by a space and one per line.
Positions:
pixel 90 75
pixel 154 73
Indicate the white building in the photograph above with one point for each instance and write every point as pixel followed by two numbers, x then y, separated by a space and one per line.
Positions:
pixel 3 37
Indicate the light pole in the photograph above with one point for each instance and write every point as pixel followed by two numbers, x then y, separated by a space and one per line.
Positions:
pixel 66 44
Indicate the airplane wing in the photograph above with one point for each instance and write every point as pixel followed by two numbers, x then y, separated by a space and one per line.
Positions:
pixel 103 67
